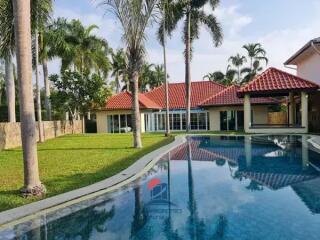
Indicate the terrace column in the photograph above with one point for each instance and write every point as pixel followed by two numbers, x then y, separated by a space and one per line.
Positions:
pixel 304 110
pixel 292 108
pixel 247 112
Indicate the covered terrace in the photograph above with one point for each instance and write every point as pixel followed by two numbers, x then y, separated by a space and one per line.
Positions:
pixel 277 83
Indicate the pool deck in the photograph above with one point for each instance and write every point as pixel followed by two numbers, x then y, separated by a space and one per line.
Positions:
pixel 136 170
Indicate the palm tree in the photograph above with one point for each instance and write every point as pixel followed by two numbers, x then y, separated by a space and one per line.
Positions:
pixel 226 79
pixel 134 16
pixel 256 53
pixel 2 82
pixel 119 66
pixel 162 37
pixel 158 77
pixel 146 75
pixel 250 73
pixel 194 16
pixel 22 26
pixel 7 48
pixel 238 61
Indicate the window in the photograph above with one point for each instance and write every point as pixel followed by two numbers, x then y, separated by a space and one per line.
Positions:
pixel 194 121
pixel 119 123
pixel 240 120
pixel 161 122
pixel 183 121
pixel 123 123
pixel 224 121
pixel 202 121
pixel 176 121
pixel 231 120
pixel 110 123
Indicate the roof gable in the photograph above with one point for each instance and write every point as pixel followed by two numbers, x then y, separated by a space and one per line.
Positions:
pixel 229 97
pixel 177 93
pixel 274 81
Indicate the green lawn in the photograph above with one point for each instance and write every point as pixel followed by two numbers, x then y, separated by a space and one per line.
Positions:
pixel 71 162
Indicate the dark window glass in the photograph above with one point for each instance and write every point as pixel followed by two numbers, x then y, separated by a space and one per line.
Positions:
pixel 231 120
pixel 184 121
pixel 170 121
pixel 194 121
pixel 223 121
pixel 110 123
pixel 202 121
pixel 116 123
pixel 123 124
pixel 240 119
pixel 129 122
pixel 176 121
pixel 161 122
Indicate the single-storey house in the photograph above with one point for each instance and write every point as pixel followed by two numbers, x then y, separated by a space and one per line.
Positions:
pixel 214 107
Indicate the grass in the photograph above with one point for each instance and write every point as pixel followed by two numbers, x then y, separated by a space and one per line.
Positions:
pixel 71 162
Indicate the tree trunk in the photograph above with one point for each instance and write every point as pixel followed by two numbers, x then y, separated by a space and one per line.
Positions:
pixel 32 184
pixel 187 73
pixel 10 89
pixel 137 143
pixel 166 84
pixel 38 96
pixel 117 82
pixel 47 89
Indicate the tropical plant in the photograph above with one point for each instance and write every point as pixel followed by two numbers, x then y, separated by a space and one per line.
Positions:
pixel 255 52
pixel 237 61
pixel 79 92
pixel 134 16
pixel 79 48
pixel 250 73
pixel 7 48
pixel 158 77
pixel 22 26
pixel 194 16
pixel 119 67
pixel 166 16
pixel 146 75
pixel 226 79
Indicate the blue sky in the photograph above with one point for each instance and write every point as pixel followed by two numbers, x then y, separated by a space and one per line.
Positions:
pixel 282 26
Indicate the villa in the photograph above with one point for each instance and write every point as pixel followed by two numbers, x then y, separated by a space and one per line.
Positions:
pixel 215 107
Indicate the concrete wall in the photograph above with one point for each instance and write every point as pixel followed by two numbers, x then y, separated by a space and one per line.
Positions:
pixel 309 69
pixel 10 134
pixel 260 115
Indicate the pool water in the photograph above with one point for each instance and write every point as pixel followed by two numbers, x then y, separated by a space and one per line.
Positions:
pixel 264 187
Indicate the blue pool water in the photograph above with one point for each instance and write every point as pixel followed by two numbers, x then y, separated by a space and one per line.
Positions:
pixel 208 188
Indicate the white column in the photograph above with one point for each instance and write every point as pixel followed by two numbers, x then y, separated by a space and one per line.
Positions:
pixel 291 109
pixel 304 110
pixel 247 112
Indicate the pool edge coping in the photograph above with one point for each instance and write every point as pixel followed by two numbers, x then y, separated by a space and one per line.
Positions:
pixel 137 169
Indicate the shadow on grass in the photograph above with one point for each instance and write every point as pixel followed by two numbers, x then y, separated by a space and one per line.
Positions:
pixel 68 183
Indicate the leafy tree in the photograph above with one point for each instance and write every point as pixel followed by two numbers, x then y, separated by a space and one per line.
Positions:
pixel 146 75
pixel 134 16
pixel 194 16
pixel 159 76
pixel 78 92
pixel 250 73
pixel 238 61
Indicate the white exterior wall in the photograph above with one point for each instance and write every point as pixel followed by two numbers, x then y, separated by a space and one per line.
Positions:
pixel 309 68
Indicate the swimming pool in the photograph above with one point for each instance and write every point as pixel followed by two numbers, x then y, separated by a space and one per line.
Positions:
pixel 261 187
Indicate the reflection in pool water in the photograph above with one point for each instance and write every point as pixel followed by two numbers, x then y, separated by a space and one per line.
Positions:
pixel 208 188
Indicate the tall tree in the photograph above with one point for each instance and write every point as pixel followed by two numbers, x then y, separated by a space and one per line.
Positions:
pixel 7 48
pixel 119 66
pixel 162 37
pixel 194 16
pixel 2 82
pixel 22 26
pixel 226 78
pixel 237 61
pixel 255 52
pixel 134 16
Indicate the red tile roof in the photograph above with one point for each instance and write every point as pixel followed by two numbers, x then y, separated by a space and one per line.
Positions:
pixel 229 96
pixel 274 81
pixel 199 92
pixel 123 101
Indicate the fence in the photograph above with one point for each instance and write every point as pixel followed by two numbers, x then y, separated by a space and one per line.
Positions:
pixel 277 118
pixel 10 134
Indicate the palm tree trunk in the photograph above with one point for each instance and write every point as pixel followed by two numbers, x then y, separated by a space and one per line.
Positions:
pixel 117 82
pixel 47 89
pixel 166 84
pixel 40 126
pixel 32 184
pixel 187 73
pixel 137 143
pixel 10 89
